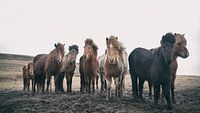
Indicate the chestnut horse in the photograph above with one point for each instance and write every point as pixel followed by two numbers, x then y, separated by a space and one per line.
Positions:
pixel 28 75
pixel 88 66
pixel 25 78
pixel 68 68
pixel 47 65
pixel 154 66
pixel 115 65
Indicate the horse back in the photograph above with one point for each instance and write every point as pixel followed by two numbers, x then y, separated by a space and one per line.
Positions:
pixel 38 63
pixel 140 61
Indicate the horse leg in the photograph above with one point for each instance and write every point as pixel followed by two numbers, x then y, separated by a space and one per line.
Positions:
pixel 48 81
pixel 102 81
pixel 93 84
pixel 97 80
pixel 56 82
pixel 42 83
pixel 61 78
pixel 82 82
pixel 70 84
pixel 134 83
pixel 109 82
pixel 24 84
pixel 172 89
pixel 32 83
pixel 141 85
pixel 166 91
pixel 150 88
pixel 156 93
pixel 89 85
pixel 28 84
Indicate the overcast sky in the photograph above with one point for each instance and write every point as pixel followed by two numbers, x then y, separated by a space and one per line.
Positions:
pixel 32 27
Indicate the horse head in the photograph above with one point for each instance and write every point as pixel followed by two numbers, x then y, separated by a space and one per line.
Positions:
pixel 90 49
pixel 59 49
pixel 73 51
pixel 112 49
pixel 180 47
pixel 168 47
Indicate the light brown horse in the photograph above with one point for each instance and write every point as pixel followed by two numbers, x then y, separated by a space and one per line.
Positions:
pixel 180 51
pixel 25 78
pixel 115 65
pixel 68 68
pixel 88 66
pixel 28 76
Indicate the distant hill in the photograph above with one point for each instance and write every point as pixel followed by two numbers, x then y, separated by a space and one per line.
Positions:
pixel 4 56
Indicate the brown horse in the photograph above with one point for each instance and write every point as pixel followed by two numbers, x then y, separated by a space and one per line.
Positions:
pixel 47 65
pixel 88 66
pixel 28 76
pixel 39 74
pixel 53 64
pixel 68 68
pixel 180 51
pixel 25 77
pixel 115 65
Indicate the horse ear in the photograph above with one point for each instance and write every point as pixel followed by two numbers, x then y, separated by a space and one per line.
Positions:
pixel 106 38
pixel 183 34
pixel 55 45
pixel 175 34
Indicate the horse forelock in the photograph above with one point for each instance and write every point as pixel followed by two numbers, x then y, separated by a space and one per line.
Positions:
pixel 73 47
pixel 180 39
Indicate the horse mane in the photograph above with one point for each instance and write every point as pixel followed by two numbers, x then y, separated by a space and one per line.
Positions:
pixel 114 40
pixel 169 37
pixel 89 41
pixel 73 47
pixel 94 46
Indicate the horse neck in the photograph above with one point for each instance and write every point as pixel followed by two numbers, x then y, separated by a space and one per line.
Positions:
pixel 160 57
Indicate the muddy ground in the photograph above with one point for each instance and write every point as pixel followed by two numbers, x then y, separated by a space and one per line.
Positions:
pixel 13 99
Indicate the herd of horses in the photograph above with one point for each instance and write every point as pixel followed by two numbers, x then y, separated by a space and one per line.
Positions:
pixel 158 66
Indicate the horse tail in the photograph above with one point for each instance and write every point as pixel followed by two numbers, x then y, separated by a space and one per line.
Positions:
pixel 133 74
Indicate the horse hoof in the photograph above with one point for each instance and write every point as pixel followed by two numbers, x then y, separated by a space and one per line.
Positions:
pixel 169 107
pixel 174 101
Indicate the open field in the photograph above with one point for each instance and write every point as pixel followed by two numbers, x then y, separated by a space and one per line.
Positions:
pixel 13 99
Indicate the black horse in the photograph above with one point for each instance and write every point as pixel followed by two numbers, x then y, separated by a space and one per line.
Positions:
pixel 155 67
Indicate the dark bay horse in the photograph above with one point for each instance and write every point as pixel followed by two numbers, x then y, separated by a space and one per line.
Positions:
pixel 47 65
pixel 68 68
pixel 154 66
pixel 115 65
pixel 180 51
pixel 88 66
pixel 39 74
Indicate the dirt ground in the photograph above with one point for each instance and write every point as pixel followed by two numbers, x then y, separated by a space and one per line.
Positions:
pixel 13 99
